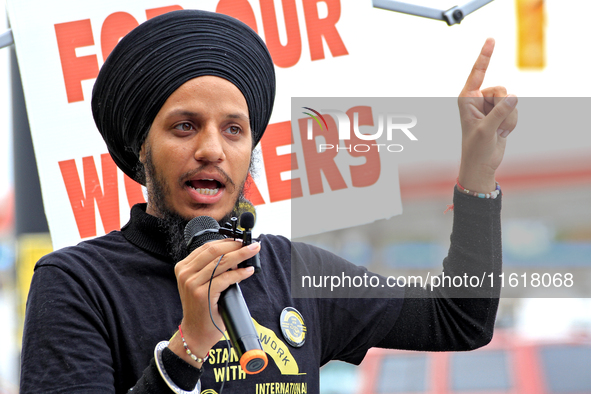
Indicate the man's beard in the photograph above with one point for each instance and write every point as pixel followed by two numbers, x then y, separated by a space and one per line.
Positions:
pixel 171 221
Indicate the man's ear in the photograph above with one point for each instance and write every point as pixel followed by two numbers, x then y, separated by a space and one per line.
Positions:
pixel 142 155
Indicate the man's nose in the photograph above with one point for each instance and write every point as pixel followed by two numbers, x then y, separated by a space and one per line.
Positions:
pixel 209 145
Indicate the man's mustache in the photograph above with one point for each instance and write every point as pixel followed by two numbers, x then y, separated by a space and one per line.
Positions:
pixel 228 182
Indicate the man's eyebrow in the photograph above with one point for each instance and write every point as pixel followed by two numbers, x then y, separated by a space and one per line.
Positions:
pixel 191 114
pixel 238 115
pixel 183 113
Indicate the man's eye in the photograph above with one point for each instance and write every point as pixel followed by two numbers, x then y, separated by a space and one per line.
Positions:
pixel 234 130
pixel 184 126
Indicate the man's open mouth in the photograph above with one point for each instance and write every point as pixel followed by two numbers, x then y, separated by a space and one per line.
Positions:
pixel 208 187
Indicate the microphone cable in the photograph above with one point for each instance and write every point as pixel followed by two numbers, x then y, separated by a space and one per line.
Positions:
pixel 216 326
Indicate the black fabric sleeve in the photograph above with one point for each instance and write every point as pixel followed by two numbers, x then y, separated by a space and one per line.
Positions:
pixel 150 382
pixel 355 326
pixel 353 317
pixel 184 375
pixel 64 339
pixel 66 345
pixel 431 320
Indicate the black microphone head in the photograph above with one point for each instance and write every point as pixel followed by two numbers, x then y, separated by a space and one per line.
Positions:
pixel 245 206
pixel 247 220
pixel 197 225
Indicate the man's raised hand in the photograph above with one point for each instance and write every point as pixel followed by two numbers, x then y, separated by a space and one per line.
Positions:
pixel 487 117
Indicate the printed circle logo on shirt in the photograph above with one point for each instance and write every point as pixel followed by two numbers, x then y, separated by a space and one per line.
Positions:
pixel 209 391
pixel 293 327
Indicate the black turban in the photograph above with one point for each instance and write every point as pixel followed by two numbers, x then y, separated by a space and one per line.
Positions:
pixel 159 56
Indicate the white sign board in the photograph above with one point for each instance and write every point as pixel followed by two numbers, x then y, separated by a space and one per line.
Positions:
pixel 61 46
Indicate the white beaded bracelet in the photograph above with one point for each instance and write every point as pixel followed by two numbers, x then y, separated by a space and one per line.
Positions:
pixel 494 194
pixel 188 351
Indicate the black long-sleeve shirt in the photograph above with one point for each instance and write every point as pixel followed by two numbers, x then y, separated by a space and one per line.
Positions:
pixel 96 311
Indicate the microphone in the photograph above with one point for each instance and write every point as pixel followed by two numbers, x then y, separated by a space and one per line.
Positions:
pixel 247 220
pixel 247 223
pixel 232 306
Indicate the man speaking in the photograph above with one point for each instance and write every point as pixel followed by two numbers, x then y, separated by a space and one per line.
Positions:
pixel 181 102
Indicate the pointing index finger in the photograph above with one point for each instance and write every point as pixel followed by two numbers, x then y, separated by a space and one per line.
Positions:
pixel 478 72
